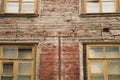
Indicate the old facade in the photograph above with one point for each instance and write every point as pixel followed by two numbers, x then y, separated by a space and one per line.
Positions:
pixel 59 40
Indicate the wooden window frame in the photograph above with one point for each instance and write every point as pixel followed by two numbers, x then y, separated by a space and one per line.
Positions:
pixel 16 61
pixel 84 7
pixel 3 7
pixel 103 60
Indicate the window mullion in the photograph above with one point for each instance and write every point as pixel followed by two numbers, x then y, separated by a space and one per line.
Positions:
pixel 88 69
pixel 32 71
pixel 100 6
pixel 33 63
pixel 105 70
pixel 15 69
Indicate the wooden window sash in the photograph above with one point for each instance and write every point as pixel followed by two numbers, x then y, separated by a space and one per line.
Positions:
pixel 89 60
pixel 20 6
pixel 15 68
pixel 116 6
pixel 17 52
pixel 108 1
pixel 17 61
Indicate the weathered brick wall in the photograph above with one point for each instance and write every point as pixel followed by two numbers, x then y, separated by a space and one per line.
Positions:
pixel 49 60
pixel 59 19
pixel 60 7
pixel 70 59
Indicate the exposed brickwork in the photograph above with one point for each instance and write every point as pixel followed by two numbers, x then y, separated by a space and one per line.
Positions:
pixel 70 60
pixel 49 60
pixel 60 7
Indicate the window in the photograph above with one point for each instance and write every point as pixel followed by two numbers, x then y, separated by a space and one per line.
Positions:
pixel 101 6
pixel 19 6
pixel 103 62
pixel 17 62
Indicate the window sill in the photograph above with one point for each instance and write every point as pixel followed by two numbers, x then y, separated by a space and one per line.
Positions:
pixel 99 15
pixel 19 15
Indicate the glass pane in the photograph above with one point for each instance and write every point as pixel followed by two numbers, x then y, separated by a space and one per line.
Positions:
pixel 96 67
pixel 108 7
pixel 93 7
pixel 97 77
pixel 112 51
pixel 27 8
pixel 97 72
pixel 24 78
pixel 24 68
pixel 96 52
pixel 12 7
pixel 6 78
pixel 25 53
pixel 8 67
pixel 9 52
pixel 113 67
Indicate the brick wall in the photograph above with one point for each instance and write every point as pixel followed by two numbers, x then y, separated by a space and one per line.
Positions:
pixel 59 20
pixel 70 60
